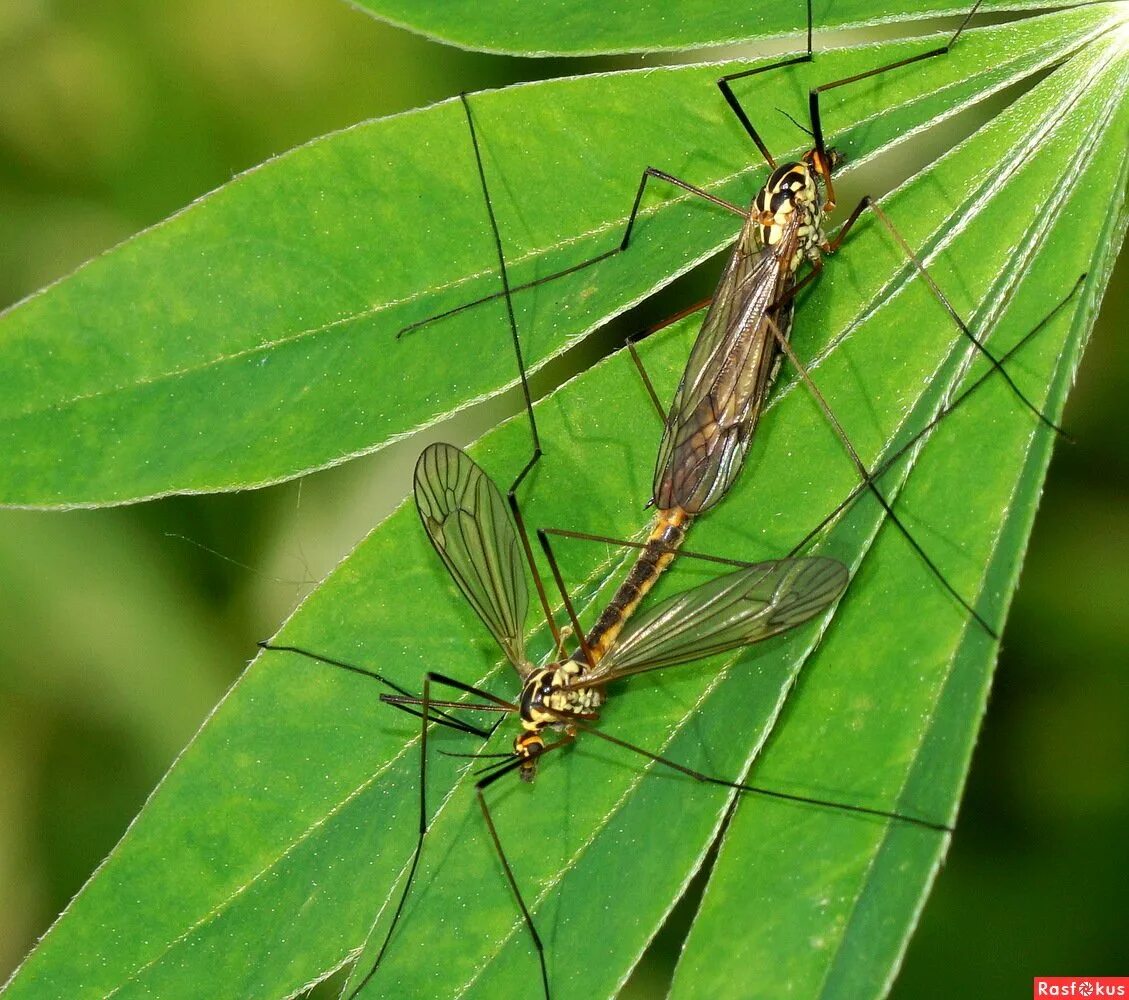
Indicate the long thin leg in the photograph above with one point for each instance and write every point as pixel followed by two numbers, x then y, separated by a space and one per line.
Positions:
pixel 425 703
pixel 505 278
pixel 868 202
pixel 735 104
pixel 563 591
pixel 624 543
pixel 442 718
pixel 624 242
pixel 523 534
pixel 939 295
pixel 408 703
pixel 869 482
pixel 887 463
pixel 661 325
pixel 480 789
pixel 770 793
pixel 646 379
pixel 545 545
pixel 511 495
pixel 813 95
pixel 891 460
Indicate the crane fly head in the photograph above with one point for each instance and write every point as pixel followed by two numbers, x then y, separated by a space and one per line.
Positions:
pixel 528 746
pixel 823 163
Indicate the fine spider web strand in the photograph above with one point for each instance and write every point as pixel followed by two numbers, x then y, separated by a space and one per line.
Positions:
pixel 535 456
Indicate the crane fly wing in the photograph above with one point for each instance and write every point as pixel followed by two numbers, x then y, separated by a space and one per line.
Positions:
pixel 730 369
pixel 734 610
pixel 466 519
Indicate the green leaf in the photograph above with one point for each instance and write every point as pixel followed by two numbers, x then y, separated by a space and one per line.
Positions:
pixel 267 852
pixel 590 27
pixel 251 337
pixel 894 702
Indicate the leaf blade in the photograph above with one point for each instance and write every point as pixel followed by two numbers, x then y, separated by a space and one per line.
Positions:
pixel 263 297
pixel 317 774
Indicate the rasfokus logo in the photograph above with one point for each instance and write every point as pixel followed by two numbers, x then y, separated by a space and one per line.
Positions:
pixel 1081 986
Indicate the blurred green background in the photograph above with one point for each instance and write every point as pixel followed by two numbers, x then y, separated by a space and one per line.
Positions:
pixel 120 629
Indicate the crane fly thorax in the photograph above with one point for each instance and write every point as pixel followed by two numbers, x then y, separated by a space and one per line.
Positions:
pixel 547 700
pixel 552 693
pixel 791 191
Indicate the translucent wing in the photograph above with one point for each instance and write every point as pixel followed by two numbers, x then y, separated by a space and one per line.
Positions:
pixel 734 610
pixel 466 519
pixel 730 370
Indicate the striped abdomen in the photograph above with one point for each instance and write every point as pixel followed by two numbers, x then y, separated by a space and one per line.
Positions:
pixel 666 536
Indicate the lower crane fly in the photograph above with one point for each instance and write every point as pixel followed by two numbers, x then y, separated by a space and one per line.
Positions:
pixel 466 519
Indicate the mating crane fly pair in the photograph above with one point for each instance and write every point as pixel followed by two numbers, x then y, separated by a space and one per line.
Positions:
pixel 481 537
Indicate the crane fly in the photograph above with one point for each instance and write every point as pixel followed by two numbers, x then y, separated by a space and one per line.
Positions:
pixel 480 535
pixel 469 525
pixel 466 519
pixel 744 337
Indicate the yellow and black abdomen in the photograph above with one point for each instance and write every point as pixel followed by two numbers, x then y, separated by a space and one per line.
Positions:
pixel 666 536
